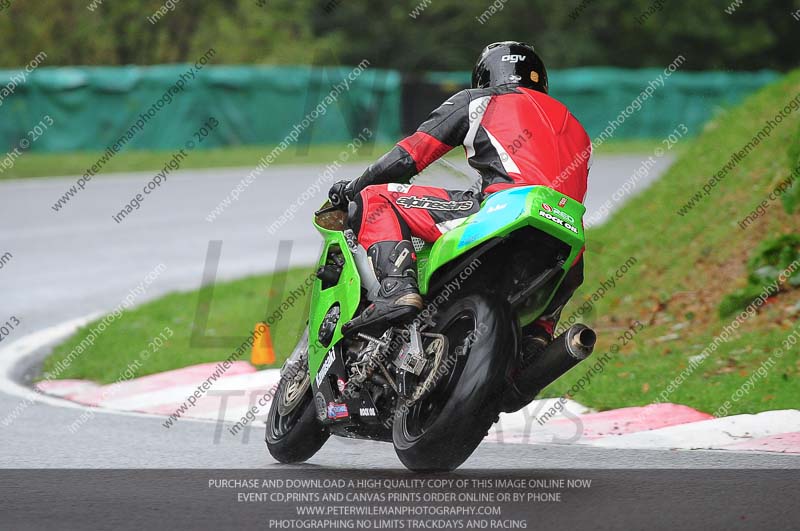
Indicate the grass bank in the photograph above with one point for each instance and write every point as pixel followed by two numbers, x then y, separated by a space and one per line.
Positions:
pixel 685 267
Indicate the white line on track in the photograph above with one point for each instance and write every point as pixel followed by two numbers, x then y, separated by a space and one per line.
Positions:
pixel 16 352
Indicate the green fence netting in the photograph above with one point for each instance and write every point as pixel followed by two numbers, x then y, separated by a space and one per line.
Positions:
pixel 598 95
pixel 91 107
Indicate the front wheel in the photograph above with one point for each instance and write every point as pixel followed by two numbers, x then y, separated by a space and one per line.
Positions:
pixel 443 427
pixel 294 433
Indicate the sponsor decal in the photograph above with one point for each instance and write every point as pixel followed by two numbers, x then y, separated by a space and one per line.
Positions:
pixel 560 213
pixel 337 411
pixel 367 412
pixel 534 76
pixel 563 215
pixel 341 385
pixel 557 221
pixel 562 202
pixel 513 58
pixel 326 366
pixel 434 203
pixel 496 208
pixel 514 78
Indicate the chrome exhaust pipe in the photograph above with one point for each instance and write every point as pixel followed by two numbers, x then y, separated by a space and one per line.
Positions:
pixel 580 341
pixel 545 367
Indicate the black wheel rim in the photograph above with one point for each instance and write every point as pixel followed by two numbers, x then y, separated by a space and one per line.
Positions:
pixel 423 413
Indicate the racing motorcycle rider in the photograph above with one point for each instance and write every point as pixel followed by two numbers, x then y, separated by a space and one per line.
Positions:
pixel 513 133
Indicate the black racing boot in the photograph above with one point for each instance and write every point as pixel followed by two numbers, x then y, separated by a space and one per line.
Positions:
pixel 398 298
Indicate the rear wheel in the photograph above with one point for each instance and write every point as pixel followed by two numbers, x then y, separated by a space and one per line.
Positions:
pixel 294 433
pixel 441 429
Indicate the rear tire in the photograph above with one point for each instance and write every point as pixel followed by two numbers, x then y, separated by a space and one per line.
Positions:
pixel 294 434
pixel 443 428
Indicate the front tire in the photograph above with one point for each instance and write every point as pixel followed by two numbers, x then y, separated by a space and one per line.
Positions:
pixel 294 434
pixel 442 429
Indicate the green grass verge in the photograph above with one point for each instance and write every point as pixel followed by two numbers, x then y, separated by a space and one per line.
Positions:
pixel 635 146
pixel 60 164
pixel 234 309
pixel 685 265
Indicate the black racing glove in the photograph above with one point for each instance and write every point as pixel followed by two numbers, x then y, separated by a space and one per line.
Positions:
pixel 340 194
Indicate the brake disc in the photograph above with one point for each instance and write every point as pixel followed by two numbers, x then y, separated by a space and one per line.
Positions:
pixel 294 376
pixel 293 392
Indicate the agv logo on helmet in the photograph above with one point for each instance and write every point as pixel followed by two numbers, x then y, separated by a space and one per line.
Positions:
pixel 510 62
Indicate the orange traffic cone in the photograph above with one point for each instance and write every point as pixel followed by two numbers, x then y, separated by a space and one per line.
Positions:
pixel 263 353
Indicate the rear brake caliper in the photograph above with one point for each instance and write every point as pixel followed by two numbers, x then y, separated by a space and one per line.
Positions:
pixel 412 357
pixel 413 381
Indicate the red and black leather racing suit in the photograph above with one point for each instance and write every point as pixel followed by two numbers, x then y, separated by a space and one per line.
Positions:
pixel 512 136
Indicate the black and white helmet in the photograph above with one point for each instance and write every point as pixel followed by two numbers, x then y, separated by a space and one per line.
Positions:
pixel 510 63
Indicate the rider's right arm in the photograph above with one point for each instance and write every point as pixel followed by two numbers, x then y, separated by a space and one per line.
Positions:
pixel 445 128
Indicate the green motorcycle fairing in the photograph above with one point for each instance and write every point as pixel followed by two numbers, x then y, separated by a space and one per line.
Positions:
pixel 501 214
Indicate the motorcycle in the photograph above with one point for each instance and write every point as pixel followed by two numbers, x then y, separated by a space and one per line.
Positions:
pixel 434 386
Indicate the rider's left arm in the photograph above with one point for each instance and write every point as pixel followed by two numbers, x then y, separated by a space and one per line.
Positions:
pixel 445 128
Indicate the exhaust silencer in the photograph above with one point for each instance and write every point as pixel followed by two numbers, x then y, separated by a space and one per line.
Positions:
pixel 545 367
